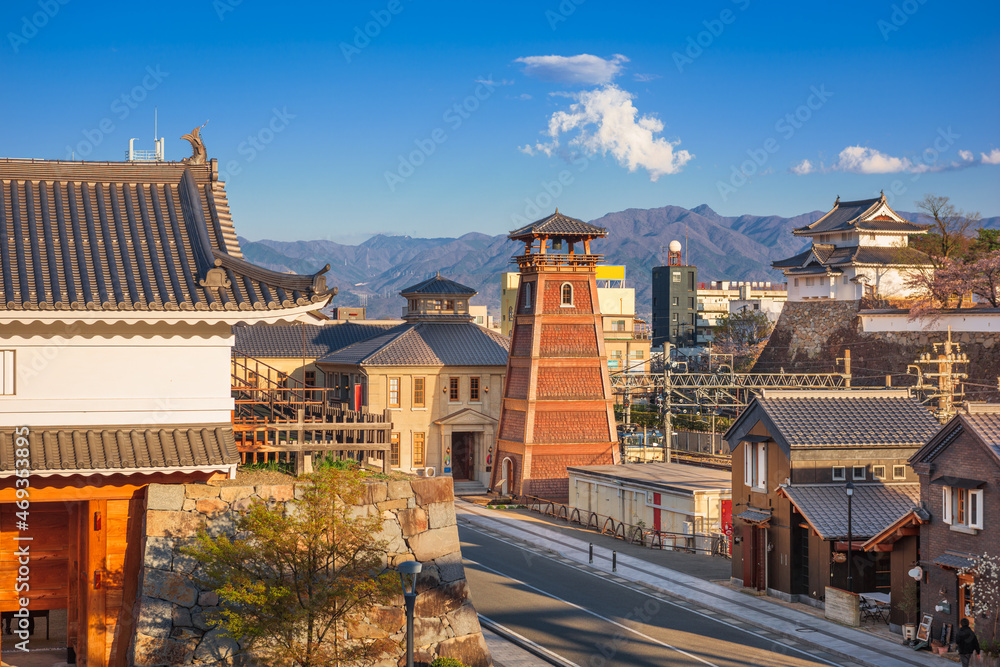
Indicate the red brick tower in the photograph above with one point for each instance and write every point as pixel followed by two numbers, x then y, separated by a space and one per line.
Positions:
pixel 557 408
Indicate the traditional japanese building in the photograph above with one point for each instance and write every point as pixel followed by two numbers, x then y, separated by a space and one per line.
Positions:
pixel 794 452
pixel 860 248
pixel 120 285
pixel 558 407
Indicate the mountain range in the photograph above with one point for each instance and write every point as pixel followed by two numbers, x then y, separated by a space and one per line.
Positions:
pixel 723 248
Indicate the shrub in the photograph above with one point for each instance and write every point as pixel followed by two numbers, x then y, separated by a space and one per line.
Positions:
pixel 447 662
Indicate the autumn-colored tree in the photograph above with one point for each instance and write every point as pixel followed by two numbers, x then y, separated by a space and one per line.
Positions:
pixel 950 235
pixel 290 581
pixel 742 334
pixel 954 281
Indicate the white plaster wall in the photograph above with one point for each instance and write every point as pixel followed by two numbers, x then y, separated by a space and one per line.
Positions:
pixel 820 287
pixel 107 374
pixel 985 322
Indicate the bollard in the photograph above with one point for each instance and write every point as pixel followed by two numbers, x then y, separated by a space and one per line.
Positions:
pixel 591 553
pixel 614 561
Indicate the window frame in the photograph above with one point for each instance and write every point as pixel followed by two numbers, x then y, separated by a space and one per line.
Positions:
pixel 419 392
pixel 896 468
pixel 755 465
pixel 855 477
pixel 392 386
pixel 841 477
pixel 394 450
pixel 527 295
pixel 566 295
pixel 8 374
pixel 475 393
pixel 419 447
pixel 878 472
pixel 454 389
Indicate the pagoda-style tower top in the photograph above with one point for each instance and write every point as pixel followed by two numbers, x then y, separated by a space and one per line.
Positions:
pixel 564 234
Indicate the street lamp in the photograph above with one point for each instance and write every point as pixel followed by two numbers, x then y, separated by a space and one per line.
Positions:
pixel 850 554
pixel 408 572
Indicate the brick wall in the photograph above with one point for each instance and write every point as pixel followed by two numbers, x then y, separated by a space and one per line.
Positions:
pixel 520 344
pixel 517 382
pixel 569 383
pixel 552 299
pixel 963 458
pixel 568 340
pixel 512 428
pixel 576 426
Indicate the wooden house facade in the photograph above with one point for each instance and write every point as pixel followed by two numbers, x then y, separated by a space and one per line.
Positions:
pixel 120 285
pixel 959 471
pixel 793 454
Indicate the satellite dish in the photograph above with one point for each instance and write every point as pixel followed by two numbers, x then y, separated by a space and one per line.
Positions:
pixel 916 573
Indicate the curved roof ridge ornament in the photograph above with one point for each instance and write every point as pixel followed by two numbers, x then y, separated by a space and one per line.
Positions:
pixel 198 153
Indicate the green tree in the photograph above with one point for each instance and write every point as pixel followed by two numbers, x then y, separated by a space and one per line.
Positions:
pixel 291 581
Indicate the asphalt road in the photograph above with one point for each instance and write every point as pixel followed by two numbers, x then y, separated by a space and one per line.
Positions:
pixel 591 621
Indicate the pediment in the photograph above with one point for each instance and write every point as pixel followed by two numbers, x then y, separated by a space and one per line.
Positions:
pixel 467 417
pixel 883 212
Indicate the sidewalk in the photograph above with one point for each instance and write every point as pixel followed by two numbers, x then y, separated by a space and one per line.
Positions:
pixel 637 566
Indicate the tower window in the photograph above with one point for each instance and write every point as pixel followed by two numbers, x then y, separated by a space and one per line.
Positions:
pixel 567 294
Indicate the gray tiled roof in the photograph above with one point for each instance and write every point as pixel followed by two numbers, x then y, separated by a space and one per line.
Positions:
pixel 846 418
pixel 437 285
pixel 846 216
pixel 121 236
pixel 753 516
pixel 427 344
pixel 284 340
pixel 558 224
pixel 955 560
pixel 873 508
pixel 986 425
pixel 829 255
pixel 64 451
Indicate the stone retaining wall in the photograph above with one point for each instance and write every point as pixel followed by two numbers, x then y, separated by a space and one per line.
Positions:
pixel 171 613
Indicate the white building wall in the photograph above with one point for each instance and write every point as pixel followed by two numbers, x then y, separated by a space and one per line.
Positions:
pixel 118 374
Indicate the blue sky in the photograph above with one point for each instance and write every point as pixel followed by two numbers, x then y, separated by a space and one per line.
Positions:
pixel 340 120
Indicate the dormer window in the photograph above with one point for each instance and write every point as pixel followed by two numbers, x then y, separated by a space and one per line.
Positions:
pixel 567 294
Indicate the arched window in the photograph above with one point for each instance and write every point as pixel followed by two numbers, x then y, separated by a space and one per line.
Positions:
pixel 567 294
pixel 527 296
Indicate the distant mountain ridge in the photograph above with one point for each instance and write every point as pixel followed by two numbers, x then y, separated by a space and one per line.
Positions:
pixel 722 247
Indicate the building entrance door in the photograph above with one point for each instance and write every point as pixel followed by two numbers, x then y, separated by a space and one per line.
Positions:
pixel 462 455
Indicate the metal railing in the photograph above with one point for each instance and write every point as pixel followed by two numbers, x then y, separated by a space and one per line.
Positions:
pixel 631 533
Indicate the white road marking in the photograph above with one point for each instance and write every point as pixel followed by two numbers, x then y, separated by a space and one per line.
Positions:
pixel 594 613
pixel 524 639
pixel 647 594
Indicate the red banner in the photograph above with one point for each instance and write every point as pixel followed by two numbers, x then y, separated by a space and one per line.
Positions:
pixel 727 521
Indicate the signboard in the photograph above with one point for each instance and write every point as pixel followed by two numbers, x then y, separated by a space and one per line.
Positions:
pixel 727 522
pixel 924 631
pixel 843 607
pixel 610 272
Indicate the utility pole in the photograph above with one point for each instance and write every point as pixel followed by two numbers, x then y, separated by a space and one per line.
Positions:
pixel 668 427
pixel 948 390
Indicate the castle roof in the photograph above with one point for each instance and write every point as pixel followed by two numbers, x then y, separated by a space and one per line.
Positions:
pixel 295 340
pixel 437 285
pixel 427 344
pixel 870 215
pixel 153 237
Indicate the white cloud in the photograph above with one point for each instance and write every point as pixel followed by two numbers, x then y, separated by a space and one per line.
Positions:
pixel 605 121
pixel 802 168
pixel 861 160
pixel 493 83
pixel 582 69
pixel 522 96
pixel 647 77
pixel 993 157
pixel 966 155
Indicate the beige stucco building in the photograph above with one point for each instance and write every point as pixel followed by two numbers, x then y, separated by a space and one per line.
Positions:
pixel 688 502
pixel 438 374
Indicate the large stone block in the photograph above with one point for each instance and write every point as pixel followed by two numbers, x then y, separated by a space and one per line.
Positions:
pixel 214 646
pixel 401 489
pixel 428 631
pixel 433 490
pixel 470 650
pixel 165 497
pixel 397 504
pixel 434 543
pixel 156 651
pixel 464 620
pixel 196 491
pixel 231 493
pixel 156 617
pixel 173 524
pixel 412 521
pixel 159 552
pixel 169 586
pixel 441 514
pixel 279 492
pixel 442 600
pixel 450 567
pixel 211 506
pixel 375 492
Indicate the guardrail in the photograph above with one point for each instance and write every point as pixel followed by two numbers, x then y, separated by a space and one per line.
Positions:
pixel 633 534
